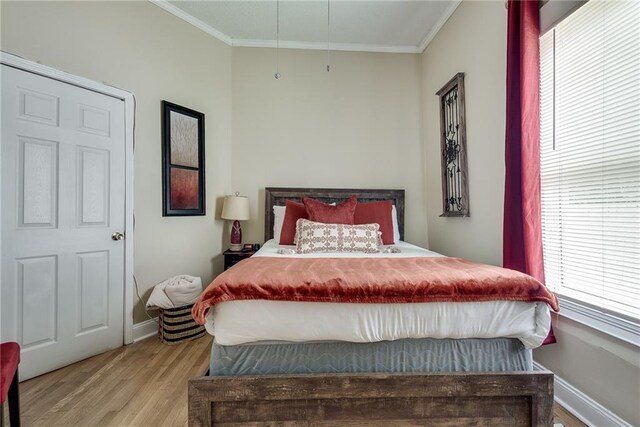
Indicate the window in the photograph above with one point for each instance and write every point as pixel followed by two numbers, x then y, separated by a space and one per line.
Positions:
pixel 590 156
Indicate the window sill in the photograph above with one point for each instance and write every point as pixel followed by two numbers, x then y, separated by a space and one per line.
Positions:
pixel 622 328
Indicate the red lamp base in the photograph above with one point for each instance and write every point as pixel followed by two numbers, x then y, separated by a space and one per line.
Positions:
pixel 236 236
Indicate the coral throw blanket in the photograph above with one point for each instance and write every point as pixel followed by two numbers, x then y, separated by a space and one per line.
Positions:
pixel 370 280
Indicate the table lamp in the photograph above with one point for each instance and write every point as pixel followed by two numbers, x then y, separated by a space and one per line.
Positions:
pixel 236 208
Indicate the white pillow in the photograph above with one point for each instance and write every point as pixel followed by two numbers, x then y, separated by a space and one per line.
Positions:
pixel 278 220
pixel 396 229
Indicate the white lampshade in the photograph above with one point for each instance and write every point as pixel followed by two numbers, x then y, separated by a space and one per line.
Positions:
pixel 235 207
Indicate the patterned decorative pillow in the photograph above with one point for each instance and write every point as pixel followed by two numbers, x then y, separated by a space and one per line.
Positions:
pixel 312 237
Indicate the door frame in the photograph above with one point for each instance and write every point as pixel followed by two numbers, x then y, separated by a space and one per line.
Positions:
pixel 129 107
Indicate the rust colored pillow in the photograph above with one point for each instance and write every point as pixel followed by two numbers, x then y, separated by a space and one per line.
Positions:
pixel 322 212
pixel 377 213
pixel 292 214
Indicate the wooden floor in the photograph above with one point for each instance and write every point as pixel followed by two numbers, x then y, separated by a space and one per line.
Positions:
pixel 144 384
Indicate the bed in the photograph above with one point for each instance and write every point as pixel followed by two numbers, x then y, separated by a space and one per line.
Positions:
pixel 266 372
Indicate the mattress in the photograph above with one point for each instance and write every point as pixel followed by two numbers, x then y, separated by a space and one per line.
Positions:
pixel 241 322
pixel 407 355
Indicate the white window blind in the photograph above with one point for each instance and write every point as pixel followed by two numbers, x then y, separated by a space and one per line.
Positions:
pixel 590 155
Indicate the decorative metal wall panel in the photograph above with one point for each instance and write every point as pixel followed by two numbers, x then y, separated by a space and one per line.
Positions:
pixel 453 148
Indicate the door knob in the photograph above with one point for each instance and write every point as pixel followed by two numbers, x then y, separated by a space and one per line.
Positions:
pixel 117 236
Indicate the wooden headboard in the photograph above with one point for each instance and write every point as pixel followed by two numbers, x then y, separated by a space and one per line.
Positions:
pixel 277 196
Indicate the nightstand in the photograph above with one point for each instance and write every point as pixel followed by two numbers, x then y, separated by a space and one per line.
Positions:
pixel 231 258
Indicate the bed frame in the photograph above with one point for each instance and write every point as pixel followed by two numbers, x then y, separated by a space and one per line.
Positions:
pixel 274 196
pixel 438 399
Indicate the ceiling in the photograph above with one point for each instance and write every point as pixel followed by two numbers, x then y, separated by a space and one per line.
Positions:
pixel 362 25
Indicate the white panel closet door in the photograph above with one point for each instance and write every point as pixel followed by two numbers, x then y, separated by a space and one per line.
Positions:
pixel 63 194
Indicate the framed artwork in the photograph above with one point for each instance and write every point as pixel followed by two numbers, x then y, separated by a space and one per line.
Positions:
pixel 453 148
pixel 182 161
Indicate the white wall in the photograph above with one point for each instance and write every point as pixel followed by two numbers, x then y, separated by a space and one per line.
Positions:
pixel 604 368
pixel 474 41
pixel 138 47
pixel 357 126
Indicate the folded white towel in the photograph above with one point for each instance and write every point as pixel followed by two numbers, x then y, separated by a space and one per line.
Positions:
pixel 175 292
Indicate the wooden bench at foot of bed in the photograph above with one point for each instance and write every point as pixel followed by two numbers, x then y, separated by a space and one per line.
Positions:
pixel 443 399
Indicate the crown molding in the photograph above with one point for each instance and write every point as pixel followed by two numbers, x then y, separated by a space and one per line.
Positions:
pixel 352 47
pixel 443 20
pixel 164 4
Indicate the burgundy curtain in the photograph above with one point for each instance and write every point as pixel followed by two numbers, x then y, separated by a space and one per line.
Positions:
pixel 522 234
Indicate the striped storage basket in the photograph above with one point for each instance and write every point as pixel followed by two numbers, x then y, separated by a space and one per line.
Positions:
pixel 177 325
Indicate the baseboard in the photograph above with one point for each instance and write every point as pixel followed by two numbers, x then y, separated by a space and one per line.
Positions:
pixel 145 329
pixel 582 406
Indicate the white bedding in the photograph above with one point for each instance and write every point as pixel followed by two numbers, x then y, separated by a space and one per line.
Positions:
pixel 239 322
